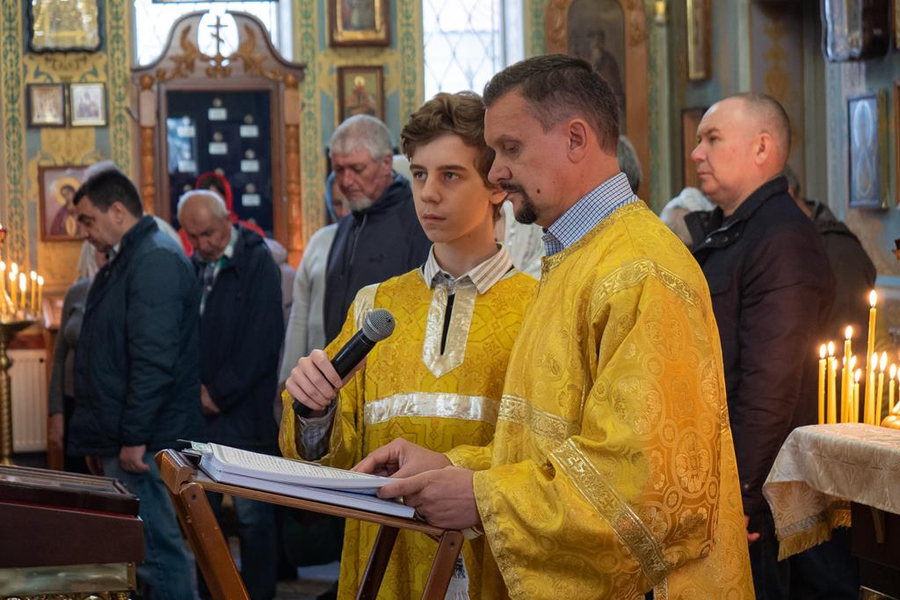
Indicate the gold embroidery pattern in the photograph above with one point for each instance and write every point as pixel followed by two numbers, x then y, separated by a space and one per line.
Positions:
pixel 547 425
pixel 612 507
pixel 635 273
pixel 421 404
pixel 457 334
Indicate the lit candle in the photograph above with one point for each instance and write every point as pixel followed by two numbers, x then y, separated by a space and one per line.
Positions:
pixel 892 373
pixel 33 277
pixel 40 282
pixel 12 289
pixel 869 412
pixel 854 417
pixel 846 374
pixel 832 388
pixel 822 351
pixel 878 399
pixel 870 341
pixel 22 299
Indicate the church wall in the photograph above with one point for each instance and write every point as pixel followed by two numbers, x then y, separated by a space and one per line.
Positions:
pixel 25 149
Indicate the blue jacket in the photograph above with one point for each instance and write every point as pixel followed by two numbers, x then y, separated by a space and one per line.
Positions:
pixel 371 246
pixel 241 331
pixel 136 376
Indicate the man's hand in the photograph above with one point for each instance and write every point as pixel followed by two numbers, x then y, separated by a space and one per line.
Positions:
pixel 314 382
pixel 206 402
pixel 751 537
pixel 401 458
pixel 55 428
pixel 131 458
pixel 445 498
pixel 94 464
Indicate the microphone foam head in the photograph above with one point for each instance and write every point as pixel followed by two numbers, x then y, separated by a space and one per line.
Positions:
pixel 379 324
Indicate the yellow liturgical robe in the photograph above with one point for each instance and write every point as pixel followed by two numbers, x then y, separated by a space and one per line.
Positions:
pixel 412 389
pixel 612 469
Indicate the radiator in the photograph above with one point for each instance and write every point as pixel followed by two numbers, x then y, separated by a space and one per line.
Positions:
pixel 29 400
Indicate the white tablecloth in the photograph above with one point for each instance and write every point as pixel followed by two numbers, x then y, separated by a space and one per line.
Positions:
pixel 820 469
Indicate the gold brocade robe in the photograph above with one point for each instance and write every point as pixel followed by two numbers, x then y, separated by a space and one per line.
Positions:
pixel 612 469
pixel 410 389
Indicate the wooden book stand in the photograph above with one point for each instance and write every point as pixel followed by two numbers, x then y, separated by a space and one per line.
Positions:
pixel 214 558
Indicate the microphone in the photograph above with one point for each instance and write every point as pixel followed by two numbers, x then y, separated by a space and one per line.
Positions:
pixel 379 325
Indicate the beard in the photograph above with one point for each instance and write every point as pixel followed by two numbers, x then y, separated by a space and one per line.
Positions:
pixel 359 204
pixel 526 213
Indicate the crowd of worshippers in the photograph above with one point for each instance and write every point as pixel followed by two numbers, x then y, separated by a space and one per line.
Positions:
pixel 602 433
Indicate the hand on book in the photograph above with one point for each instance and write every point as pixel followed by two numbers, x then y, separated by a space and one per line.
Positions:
pixel 401 458
pixel 445 497
pixel 314 381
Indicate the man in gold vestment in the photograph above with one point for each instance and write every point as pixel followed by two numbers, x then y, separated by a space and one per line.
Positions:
pixel 612 470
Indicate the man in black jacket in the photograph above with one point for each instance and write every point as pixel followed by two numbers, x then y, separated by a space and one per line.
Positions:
pixel 136 382
pixel 771 290
pixel 241 328
pixel 381 237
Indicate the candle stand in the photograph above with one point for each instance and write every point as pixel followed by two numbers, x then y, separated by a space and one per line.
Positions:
pixel 8 330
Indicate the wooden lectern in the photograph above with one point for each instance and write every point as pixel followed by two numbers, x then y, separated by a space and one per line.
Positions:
pixel 187 486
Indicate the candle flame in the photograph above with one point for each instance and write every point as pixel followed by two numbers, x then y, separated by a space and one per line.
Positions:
pixel 848 333
pixel 893 371
pixel 32 276
pixel 40 280
pixel 883 362
pixel 2 266
pixel 822 351
pixel 830 348
pixel 858 375
pixel 14 268
pixel 22 281
pixel 873 298
pixel 874 360
pixel 852 362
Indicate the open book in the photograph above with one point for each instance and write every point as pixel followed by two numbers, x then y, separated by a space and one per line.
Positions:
pixel 296 478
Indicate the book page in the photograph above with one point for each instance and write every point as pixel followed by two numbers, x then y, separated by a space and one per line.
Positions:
pixel 264 466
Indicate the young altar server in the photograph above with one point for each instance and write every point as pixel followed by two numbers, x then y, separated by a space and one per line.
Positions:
pixel 437 381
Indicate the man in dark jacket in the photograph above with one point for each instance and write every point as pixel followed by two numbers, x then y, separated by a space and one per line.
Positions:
pixel 771 290
pixel 241 328
pixel 381 237
pixel 136 382
pixel 854 273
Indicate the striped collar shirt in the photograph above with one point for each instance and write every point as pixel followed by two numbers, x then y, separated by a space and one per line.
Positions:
pixel 585 214
pixel 483 276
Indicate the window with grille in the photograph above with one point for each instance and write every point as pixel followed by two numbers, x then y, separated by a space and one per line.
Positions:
pixel 467 41
pixel 153 21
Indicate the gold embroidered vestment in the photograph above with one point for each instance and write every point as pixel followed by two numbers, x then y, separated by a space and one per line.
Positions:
pixel 612 468
pixel 410 389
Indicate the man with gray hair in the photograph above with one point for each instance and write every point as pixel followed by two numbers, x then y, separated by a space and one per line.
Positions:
pixel 629 163
pixel 241 328
pixel 381 237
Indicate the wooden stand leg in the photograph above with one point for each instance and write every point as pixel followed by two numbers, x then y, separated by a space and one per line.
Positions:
pixel 443 566
pixel 208 542
pixel 378 562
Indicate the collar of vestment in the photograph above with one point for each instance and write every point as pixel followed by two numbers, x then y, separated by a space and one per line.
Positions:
pixel 585 214
pixel 483 276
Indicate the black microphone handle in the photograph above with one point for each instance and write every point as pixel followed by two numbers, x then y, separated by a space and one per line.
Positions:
pixel 343 362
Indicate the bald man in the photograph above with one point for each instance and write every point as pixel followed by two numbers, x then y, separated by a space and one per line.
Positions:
pixel 241 328
pixel 771 291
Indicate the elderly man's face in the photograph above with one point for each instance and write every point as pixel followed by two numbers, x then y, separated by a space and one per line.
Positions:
pixel 725 152
pixel 361 179
pixel 208 234
pixel 527 158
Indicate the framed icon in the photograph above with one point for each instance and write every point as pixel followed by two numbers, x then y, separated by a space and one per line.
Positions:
pixel 360 92
pixel 87 104
pixel 64 26
pixel 46 105
pixel 359 22
pixel 867 129
pixel 57 186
